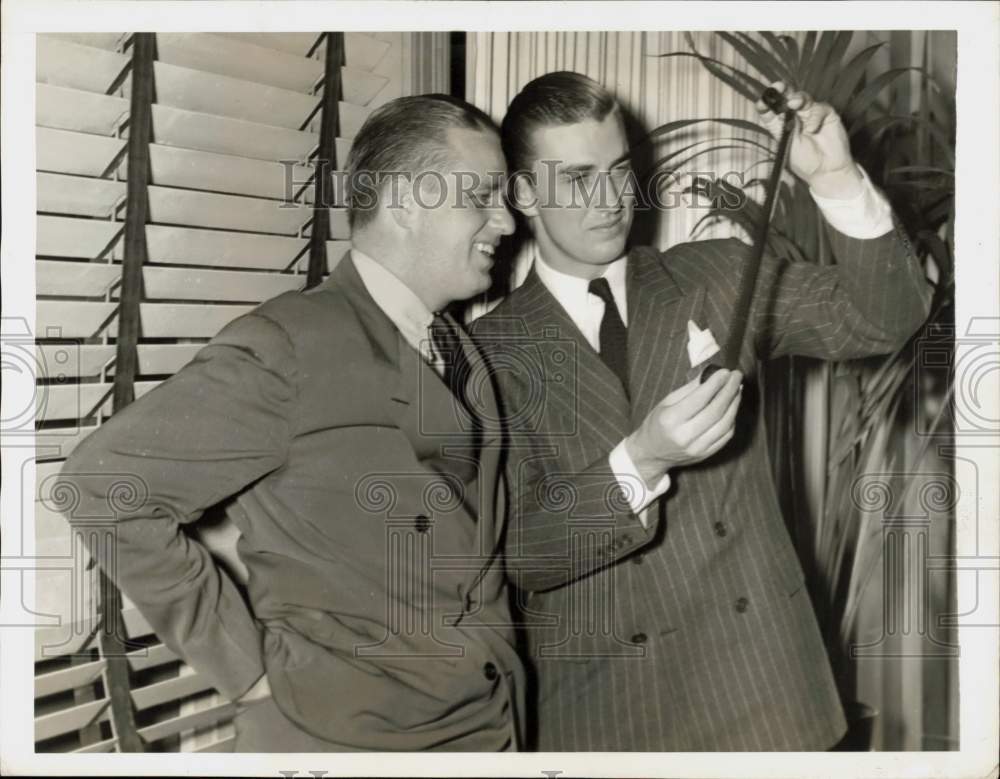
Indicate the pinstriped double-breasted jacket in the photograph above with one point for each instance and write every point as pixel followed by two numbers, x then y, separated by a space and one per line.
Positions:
pixel 696 632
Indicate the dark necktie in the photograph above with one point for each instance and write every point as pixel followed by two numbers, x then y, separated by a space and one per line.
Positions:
pixel 613 335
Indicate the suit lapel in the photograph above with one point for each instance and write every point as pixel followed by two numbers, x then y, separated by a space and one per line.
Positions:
pixel 590 395
pixel 423 407
pixel 659 310
pixel 482 398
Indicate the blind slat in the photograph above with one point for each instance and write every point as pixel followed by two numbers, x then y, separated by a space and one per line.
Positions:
pixel 238 59
pixel 74 360
pixel 207 132
pixel 65 236
pixel 82 154
pixel 194 246
pixel 55 444
pixel 169 690
pixel 210 93
pixel 65 108
pixel 80 279
pixel 87 279
pixel 299 43
pixel 362 50
pixel 77 195
pixel 217 285
pixel 222 173
pixel 61 722
pixel 228 212
pixel 100 746
pixel 67 64
pixel 198 719
pixel 335 251
pixel 70 319
pixel 69 678
pixel 141 659
pixel 64 639
pixel 359 86
pixel 159 320
pixel 97 40
pixel 225 745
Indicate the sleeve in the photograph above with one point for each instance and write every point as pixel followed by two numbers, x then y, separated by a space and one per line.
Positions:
pixel 627 474
pixel 222 422
pixel 870 302
pixel 562 524
pixel 868 215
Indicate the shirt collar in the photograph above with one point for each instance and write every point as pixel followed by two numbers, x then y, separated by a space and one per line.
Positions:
pixel 401 304
pixel 572 292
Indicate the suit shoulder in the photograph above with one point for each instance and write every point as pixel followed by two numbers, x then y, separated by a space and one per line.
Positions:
pixel 294 325
pixel 503 319
pixel 698 261
pixel 709 252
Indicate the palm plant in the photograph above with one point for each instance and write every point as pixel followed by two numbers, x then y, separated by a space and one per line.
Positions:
pixel 911 157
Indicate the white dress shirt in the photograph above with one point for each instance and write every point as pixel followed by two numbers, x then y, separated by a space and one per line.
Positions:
pixel 406 311
pixel 865 216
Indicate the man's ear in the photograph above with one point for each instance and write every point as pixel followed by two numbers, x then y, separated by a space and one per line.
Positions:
pixel 401 204
pixel 524 195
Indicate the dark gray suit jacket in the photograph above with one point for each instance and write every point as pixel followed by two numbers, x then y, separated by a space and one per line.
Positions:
pixel 369 524
pixel 696 633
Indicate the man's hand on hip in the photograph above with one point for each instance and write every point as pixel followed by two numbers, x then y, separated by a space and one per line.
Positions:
pixel 690 424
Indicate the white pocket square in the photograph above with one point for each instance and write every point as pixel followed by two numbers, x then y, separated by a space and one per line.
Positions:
pixel 701 344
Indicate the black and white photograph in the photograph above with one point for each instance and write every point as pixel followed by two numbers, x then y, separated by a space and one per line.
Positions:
pixel 614 384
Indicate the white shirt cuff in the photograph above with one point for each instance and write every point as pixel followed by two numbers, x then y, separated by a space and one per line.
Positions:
pixel 638 494
pixel 865 216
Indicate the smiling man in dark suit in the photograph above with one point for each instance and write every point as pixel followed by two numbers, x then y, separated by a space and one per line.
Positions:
pixel 336 426
pixel 664 601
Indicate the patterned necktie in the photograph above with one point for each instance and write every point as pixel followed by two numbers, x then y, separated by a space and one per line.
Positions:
pixel 456 371
pixel 613 335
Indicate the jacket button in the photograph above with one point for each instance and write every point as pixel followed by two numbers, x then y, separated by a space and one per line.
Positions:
pixel 422 523
pixel 720 529
pixel 639 638
pixel 490 671
pixel 741 604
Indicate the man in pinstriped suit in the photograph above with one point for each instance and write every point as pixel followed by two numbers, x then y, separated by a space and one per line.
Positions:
pixel 664 603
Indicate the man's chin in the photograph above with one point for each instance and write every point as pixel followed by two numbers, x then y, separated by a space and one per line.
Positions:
pixel 603 252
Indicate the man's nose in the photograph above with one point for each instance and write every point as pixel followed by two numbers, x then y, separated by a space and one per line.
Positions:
pixel 502 220
pixel 611 194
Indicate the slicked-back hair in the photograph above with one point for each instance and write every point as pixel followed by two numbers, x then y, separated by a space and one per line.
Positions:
pixel 403 137
pixel 554 99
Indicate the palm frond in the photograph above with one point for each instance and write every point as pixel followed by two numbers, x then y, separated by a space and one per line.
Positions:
pixel 912 156
pixel 765 63
pixel 849 77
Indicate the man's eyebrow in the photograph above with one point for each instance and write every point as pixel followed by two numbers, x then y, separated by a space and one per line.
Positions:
pixel 582 168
